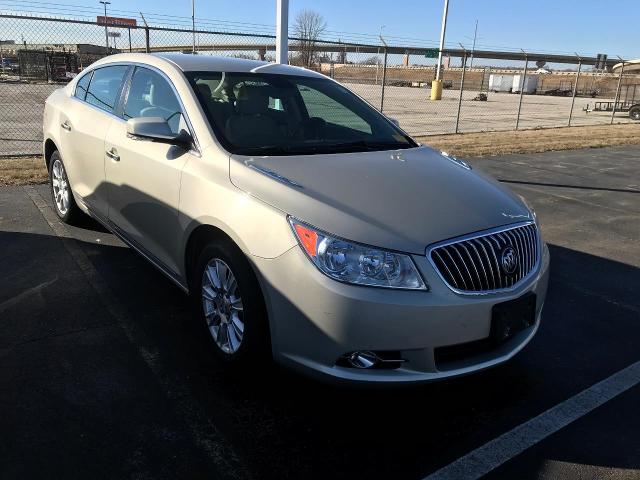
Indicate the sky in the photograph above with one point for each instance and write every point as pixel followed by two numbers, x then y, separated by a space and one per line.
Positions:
pixel 553 26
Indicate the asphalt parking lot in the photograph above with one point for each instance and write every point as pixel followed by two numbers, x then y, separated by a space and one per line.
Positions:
pixel 103 373
pixel 415 112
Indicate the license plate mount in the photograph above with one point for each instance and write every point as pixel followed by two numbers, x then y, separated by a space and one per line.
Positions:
pixel 511 317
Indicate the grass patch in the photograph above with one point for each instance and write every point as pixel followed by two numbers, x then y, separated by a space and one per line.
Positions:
pixel 534 141
pixel 22 171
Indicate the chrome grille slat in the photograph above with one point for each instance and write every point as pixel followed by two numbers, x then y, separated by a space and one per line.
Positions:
pixel 466 267
pixel 526 250
pixel 488 260
pixel 524 239
pixel 495 263
pixel 443 263
pixel 484 271
pixel 462 282
pixel 532 246
pixel 479 263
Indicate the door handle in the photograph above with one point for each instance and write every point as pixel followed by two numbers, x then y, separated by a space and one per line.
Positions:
pixel 66 126
pixel 113 155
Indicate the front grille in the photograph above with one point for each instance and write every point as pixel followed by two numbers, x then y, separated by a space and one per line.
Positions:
pixel 487 262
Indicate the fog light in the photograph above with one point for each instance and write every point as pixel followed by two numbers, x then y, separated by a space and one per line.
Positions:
pixel 371 360
pixel 363 359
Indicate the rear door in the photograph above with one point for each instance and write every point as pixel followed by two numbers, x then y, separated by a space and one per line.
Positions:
pixel 144 176
pixel 84 127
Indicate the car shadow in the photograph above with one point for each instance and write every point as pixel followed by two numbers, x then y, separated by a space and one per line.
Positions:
pixel 283 424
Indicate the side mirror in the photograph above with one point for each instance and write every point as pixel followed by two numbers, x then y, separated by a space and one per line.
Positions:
pixel 157 129
pixel 394 121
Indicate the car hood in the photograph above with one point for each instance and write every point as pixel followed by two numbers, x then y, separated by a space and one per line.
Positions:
pixel 398 199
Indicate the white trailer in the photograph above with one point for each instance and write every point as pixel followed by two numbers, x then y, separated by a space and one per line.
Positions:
pixel 530 84
pixel 500 82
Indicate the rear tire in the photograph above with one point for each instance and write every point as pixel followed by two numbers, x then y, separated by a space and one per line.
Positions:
pixel 230 307
pixel 634 112
pixel 61 194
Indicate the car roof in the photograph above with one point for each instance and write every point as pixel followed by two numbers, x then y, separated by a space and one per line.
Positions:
pixel 204 62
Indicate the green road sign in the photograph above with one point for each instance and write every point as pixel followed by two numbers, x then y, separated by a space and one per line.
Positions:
pixel 431 53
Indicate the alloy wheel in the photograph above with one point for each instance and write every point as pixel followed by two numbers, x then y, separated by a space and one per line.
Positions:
pixel 60 185
pixel 222 305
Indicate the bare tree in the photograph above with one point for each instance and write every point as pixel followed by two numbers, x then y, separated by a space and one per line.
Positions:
pixel 373 60
pixel 308 27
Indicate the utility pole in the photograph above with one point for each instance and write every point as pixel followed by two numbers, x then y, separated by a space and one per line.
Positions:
pixel 193 24
pixel 106 29
pixel 282 32
pixel 436 85
pixel 473 48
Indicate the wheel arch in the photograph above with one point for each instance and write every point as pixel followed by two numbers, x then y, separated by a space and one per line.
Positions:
pixel 49 148
pixel 199 236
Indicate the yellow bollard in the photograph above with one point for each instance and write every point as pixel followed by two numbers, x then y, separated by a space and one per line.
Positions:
pixel 436 90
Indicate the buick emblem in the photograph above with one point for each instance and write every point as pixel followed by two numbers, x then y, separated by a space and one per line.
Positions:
pixel 509 260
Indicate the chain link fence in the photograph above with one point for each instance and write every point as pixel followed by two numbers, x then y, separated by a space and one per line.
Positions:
pixel 481 92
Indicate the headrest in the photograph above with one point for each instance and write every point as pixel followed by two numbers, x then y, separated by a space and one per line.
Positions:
pixel 205 90
pixel 252 100
pixel 161 94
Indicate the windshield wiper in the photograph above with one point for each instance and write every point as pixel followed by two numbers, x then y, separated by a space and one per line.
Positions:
pixel 286 149
pixel 367 146
pixel 318 148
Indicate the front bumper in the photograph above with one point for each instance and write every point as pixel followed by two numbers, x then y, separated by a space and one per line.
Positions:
pixel 315 320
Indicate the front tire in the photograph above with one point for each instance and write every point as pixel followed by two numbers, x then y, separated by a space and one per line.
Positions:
pixel 634 112
pixel 61 194
pixel 227 296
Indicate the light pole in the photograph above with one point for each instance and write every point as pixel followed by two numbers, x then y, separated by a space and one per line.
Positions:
pixel 436 85
pixel 282 32
pixel 193 24
pixel 473 48
pixel 106 29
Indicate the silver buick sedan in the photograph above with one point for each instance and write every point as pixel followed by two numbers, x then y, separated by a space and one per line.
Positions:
pixel 305 225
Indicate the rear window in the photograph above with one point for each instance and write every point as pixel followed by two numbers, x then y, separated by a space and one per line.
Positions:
pixel 105 86
pixel 81 86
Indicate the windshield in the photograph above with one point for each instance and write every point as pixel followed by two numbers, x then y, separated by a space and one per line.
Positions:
pixel 271 114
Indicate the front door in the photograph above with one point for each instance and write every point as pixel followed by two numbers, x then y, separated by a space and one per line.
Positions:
pixel 143 176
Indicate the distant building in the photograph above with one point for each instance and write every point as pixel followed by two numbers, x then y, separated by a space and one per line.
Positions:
pixel 12 49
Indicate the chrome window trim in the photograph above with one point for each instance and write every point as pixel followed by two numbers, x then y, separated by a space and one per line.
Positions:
pixel 492 231
pixel 127 80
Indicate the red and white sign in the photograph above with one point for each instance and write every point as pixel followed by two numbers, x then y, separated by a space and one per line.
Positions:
pixel 125 22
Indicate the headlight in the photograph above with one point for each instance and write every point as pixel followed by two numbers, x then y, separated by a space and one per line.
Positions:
pixel 355 263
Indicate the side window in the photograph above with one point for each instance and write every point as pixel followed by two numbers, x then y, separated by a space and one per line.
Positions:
pixel 104 87
pixel 81 86
pixel 320 105
pixel 150 95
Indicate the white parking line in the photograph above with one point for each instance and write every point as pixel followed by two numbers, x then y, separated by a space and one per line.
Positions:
pixel 491 455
